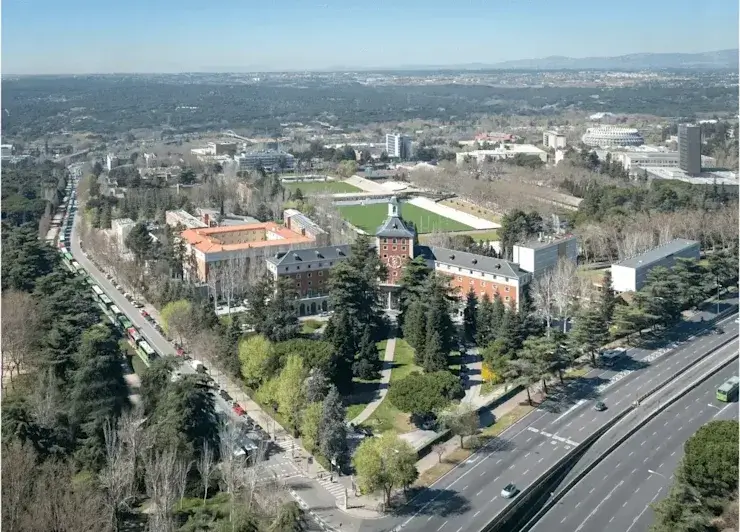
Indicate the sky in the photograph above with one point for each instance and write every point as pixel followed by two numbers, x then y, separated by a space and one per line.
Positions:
pixel 103 36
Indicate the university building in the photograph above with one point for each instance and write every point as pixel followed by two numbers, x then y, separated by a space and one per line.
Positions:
pixel 396 245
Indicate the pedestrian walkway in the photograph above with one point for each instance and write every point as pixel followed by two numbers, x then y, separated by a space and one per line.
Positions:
pixel 385 379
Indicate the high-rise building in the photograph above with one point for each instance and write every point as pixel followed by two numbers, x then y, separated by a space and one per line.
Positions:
pixel 689 148
pixel 398 146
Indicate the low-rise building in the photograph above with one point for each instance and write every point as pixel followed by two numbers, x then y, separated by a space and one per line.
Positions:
pixel 540 255
pixel 271 160
pixel 121 227
pixel 505 151
pixel 553 139
pixel 184 219
pixel 300 223
pixel 309 268
pixel 630 275
pixel 6 151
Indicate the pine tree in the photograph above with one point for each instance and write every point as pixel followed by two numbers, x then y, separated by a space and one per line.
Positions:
pixel 415 328
pixel 589 333
pixel 484 334
pixel 498 315
pixel 333 430
pixel 281 318
pixel 470 314
pixel 367 363
pixel 608 299
pixel 339 334
pixel 435 356
pixel 412 283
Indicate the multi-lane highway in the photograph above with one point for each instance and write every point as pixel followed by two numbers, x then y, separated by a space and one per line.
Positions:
pixel 469 497
pixel 616 495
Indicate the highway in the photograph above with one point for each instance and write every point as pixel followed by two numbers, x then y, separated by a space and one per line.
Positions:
pixel 617 494
pixel 469 496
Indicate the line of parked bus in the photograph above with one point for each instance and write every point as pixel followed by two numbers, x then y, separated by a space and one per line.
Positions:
pixel 111 311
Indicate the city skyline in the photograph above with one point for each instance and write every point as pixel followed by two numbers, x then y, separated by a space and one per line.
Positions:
pixel 84 37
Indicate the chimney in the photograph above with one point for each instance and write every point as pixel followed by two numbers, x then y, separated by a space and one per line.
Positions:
pixel 206 219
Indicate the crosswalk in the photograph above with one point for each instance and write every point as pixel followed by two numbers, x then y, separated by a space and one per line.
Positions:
pixel 553 436
pixel 335 488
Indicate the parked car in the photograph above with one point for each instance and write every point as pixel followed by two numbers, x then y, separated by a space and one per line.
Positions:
pixel 198 366
pixel 509 491
pixel 238 410
pixel 225 395
pixel 179 350
pixel 144 313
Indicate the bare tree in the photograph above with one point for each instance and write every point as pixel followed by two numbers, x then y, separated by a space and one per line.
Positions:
pixel 118 476
pixel 233 466
pixel 439 450
pixel 19 473
pixel 543 294
pixel 565 285
pixel 161 481
pixel 19 330
pixel 182 468
pixel 205 465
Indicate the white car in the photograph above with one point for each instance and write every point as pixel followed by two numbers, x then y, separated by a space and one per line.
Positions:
pixel 509 491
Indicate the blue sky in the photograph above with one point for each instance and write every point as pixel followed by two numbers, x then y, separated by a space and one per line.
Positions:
pixel 83 36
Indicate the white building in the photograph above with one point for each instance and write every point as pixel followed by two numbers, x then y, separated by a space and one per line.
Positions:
pixel 111 161
pixel 612 136
pixel 553 139
pixel 121 227
pixel 183 218
pixel 269 160
pixel 398 146
pixel 632 161
pixel 505 151
pixel 630 275
pixel 6 151
pixel 544 253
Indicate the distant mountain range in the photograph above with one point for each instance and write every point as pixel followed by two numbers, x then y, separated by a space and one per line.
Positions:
pixel 720 59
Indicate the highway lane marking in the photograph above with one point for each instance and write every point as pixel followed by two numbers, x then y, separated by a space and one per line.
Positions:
pixel 725 408
pixel 466 487
pixel 528 439
pixel 569 424
pixel 631 453
pixel 655 433
pixel 634 471
pixel 674 452
pixel 430 518
pixel 442 525
pixel 496 497
pixel 578 403
pixel 527 455
pixel 634 521
pixel 460 529
pixel 495 479
pixel 553 436
pixel 499 461
pixel 593 512
pixel 592 490
pixel 540 460
pixel 527 471
pixel 475 515
pixel 625 504
pixel 612 519
pixel 563 520
pixel 643 443
pixel 646 459
pixel 477 494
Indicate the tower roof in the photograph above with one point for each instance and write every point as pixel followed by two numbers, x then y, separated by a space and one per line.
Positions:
pixel 393 226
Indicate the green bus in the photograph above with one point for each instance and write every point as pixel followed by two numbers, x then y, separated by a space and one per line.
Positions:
pixel 728 391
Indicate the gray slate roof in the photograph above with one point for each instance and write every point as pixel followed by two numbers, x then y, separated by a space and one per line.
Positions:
pixel 393 227
pixel 656 254
pixel 471 261
pixel 301 256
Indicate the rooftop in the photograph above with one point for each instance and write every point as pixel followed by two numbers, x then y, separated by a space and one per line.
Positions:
pixel 299 256
pixel 471 261
pixel 705 178
pixel 508 148
pixel 545 241
pixel 656 254
pixel 241 237
pixel 393 227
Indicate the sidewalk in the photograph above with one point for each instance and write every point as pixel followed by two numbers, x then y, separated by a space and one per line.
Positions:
pixel 385 379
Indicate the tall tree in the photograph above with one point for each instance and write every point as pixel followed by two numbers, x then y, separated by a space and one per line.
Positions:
pixel 607 299
pixel 339 332
pixel 281 317
pixel 385 463
pixel 290 392
pixel 415 329
pixel 255 355
pixel 177 319
pixel 367 362
pixel 589 333
pixel 333 429
pixel 462 420
pixel 140 242
pixel 99 393
pixel 691 280
pixel 412 282
pixel 484 319
pixel 470 314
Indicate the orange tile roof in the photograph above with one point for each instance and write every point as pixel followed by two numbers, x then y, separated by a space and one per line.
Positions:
pixel 204 239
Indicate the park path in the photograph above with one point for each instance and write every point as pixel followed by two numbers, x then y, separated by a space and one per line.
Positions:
pixel 385 379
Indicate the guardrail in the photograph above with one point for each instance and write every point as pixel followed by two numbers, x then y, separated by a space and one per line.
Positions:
pixel 580 476
pixel 533 494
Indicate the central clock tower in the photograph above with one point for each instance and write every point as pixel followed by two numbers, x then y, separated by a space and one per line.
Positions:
pixel 395 243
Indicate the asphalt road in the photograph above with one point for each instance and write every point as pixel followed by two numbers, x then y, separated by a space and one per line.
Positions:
pixel 617 494
pixel 468 497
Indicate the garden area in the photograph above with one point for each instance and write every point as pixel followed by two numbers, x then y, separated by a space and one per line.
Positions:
pixel 369 217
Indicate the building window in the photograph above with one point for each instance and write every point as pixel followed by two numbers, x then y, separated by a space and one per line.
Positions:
pixel 319 265
pixel 471 272
pixel 459 269
pixel 385 255
pixel 395 247
pixel 385 248
pixel 395 273
pixel 297 275
pixel 394 240
pixel 330 264
pixel 506 298
pixel 298 285
pixel 506 289
pixel 309 274
pixel 309 283
pixel 297 267
pixel 321 274
pixel 483 283
pixel 459 278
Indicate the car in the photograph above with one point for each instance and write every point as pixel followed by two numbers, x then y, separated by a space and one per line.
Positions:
pixel 509 491
pixel 144 313
pixel 179 351
pixel 138 304
pixel 225 395
pixel 238 410
pixel 599 406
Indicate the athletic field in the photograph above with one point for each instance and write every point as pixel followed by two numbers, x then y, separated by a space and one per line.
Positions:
pixel 310 188
pixel 369 217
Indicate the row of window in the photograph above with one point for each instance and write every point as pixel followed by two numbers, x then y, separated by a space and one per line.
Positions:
pixel 298 275
pixel 393 240
pixel 394 248
pixel 482 283
pixel 310 283
pixel 471 272
pixel 308 266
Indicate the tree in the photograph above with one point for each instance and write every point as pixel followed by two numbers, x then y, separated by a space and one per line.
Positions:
pixel 691 281
pixel 631 319
pixel 19 470
pixel 347 168
pixel 256 354
pixel 526 374
pixel 710 463
pixel 290 396
pixel 281 318
pixel 385 463
pixel 206 467
pixel 607 299
pixel 543 355
pixel 99 393
pixel 543 294
pixel 139 242
pixel 426 393
pixel 154 383
pixel 412 281
pixel 497 358
pixel 316 385
pixel 257 296
pixel 290 518
pixel 440 331
pixel 177 319
pixel 310 425
pixel 20 326
pixel 661 296
pixel 681 511
pixel 589 333
pixel 470 314
pixel 333 430
pixel 367 363
pixel 462 420
pixel 484 319
pixel 414 328
pixel 339 332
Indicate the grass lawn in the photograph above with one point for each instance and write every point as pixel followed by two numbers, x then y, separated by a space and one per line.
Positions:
pixel 309 188
pixel 309 326
pixel 475 210
pixel 369 217
pixel 388 417
pixel 364 390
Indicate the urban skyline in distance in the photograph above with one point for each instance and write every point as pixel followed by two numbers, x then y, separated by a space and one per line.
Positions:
pixel 83 37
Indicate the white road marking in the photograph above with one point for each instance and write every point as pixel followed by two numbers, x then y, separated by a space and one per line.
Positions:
pixel 526 455
pixel 442 525
pixel 674 452
pixel 631 453
pixel 608 496
pixel 563 520
pixel 725 408
pixel 474 515
pixel 496 497
pixel 481 491
pixel 540 460
pixel 483 473
pixel 528 439
pixel 499 460
pixel 569 424
pixel 634 521
pixel 634 471
pixel 592 490
pixel 527 471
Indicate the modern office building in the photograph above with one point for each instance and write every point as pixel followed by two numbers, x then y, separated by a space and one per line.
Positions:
pixel 612 136
pixel 398 146
pixel 630 275
pixel 505 151
pixel 689 148
pixel 111 161
pixel 553 139
pixel 540 255
pixel 270 160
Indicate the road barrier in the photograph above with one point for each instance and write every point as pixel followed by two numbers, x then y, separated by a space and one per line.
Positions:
pixel 519 514
pixel 661 408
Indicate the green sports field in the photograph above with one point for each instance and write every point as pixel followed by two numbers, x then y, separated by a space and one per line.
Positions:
pixel 310 188
pixel 369 217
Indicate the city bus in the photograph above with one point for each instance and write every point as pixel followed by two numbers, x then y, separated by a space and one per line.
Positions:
pixel 106 300
pixel 68 256
pixel 133 335
pixel 729 390
pixel 116 311
pixel 98 291
pixel 124 322
pixel 147 350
